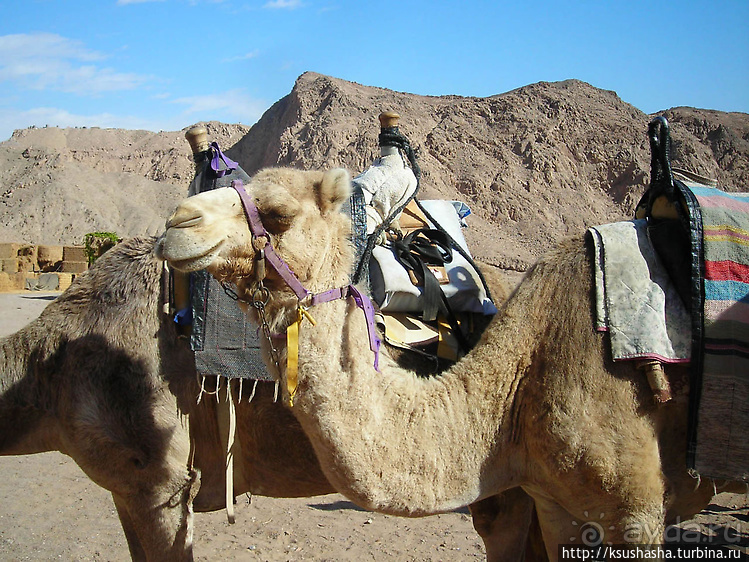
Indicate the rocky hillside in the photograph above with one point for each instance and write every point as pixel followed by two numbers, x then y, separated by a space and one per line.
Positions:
pixel 534 164
pixel 56 185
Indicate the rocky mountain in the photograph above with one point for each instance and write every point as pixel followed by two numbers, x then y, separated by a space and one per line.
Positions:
pixel 534 164
pixel 56 185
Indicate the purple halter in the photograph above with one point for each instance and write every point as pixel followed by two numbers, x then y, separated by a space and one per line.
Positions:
pixel 282 268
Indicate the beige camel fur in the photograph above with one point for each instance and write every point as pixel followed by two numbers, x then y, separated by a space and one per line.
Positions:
pixel 102 377
pixel 538 403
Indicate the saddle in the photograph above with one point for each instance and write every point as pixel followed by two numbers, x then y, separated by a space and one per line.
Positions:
pixel 432 299
pixel 426 285
pixel 701 235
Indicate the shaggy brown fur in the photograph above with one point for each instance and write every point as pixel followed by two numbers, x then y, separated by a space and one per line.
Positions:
pixel 538 403
pixel 102 377
pixel 85 378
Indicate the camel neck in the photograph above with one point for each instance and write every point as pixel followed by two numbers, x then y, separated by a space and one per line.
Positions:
pixel 391 440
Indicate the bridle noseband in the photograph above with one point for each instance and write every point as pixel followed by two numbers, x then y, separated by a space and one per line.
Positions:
pixel 266 253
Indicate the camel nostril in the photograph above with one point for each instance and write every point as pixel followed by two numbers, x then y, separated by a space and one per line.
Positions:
pixel 184 220
pixel 189 223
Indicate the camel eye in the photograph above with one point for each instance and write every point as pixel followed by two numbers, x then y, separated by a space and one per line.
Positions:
pixel 276 222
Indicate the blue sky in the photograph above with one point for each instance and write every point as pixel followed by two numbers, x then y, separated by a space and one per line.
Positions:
pixel 165 64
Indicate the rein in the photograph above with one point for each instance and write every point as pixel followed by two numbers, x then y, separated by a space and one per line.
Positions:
pixel 266 253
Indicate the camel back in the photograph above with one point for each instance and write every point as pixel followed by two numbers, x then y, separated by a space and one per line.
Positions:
pixel 702 235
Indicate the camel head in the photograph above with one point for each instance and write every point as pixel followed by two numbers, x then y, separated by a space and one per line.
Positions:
pixel 300 211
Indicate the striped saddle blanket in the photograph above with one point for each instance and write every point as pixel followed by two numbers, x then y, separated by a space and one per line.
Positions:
pixel 701 234
pixel 720 443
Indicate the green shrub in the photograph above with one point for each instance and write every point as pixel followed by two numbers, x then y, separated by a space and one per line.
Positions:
pixel 97 243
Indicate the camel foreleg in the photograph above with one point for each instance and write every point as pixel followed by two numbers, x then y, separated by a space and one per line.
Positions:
pixel 137 553
pixel 161 527
pixel 639 529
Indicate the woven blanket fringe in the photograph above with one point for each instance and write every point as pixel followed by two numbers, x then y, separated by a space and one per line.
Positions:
pixel 201 382
pixel 227 421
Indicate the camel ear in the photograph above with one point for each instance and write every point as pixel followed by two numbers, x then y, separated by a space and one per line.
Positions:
pixel 277 209
pixel 334 189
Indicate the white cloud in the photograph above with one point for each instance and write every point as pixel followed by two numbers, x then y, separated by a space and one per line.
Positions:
pixel 41 61
pixel 230 106
pixel 35 45
pixel 246 56
pixel 283 4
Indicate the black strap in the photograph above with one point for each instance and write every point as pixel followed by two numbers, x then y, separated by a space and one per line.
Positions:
pixel 697 258
pixel 415 252
pixel 422 247
pixel 428 245
pixel 454 244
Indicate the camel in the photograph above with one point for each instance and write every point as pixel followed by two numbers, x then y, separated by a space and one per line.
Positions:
pixel 85 378
pixel 538 403
pixel 102 377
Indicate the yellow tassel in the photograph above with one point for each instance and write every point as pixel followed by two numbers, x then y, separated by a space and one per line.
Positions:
pixel 447 348
pixel 292 351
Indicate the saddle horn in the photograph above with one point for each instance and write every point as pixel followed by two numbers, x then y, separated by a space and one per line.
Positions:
pixel 197 136
pixel 661 175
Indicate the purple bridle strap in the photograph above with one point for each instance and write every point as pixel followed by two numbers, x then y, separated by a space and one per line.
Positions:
pixel 220 156
pixel 282 268
pixel 364 302
pixel 258 230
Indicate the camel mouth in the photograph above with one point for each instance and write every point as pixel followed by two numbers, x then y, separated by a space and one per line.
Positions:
pixel 185 257
pixel 193 264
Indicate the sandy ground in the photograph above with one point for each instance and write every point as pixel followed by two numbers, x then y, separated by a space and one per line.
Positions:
pixel 49 510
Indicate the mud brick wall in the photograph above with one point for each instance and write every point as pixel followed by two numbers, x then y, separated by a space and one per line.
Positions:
pixel 22 264
pixel 74 259
pixel 49 258
pixel 8 250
